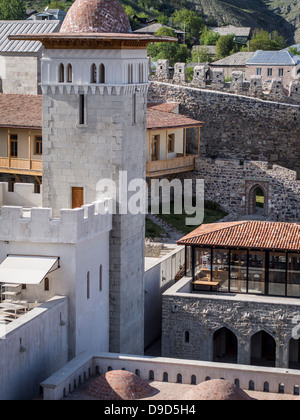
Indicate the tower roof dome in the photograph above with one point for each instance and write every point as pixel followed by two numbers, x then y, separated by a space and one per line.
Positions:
pixel 96 16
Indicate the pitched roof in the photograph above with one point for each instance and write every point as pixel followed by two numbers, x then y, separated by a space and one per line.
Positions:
pixel 158 120
pixel 23 27
pixel 247 234
pixel 152 29
pixel 229 30
pixel 164 106
pixel 276 58
pixel 238 59
pixel 21 111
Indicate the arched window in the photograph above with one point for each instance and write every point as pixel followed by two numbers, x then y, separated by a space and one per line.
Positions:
pixel 69 73
pixel 94 73
pixel 130 74
pixel 101 73
pixel 141 75
pixel 61 73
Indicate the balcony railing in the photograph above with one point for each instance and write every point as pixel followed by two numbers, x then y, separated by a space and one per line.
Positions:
pixel 170 166
pixel 22 165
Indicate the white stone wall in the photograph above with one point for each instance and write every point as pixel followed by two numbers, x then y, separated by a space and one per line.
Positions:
pixel 23 195
pixel 21 74
pixel 32 348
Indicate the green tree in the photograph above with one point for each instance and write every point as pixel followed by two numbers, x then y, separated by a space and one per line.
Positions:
pixel 209 37
pixel 201 55
pixel 294 51
pixel 190 22
pixel 12 10
pixel 171 51
pixel 264 40
pixel 225 46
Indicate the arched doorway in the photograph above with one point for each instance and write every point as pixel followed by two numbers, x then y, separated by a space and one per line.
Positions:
pixel 225 346
pixel 257 197
pixel 263 349
pixel 294 354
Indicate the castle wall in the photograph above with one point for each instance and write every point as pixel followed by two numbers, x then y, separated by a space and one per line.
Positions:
pixel 237 126
pixel 32 348
pixel 80 238
pixel 204 314
pixel 230 182
pixel 23 195
pixel 21 75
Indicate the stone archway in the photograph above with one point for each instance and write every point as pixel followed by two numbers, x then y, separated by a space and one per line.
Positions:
pixel 225 346
pixel 263 349
pixel 252 190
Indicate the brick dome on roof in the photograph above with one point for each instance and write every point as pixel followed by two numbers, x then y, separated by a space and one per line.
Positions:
pixel 217 390
pixel 120 385
pixel 96 16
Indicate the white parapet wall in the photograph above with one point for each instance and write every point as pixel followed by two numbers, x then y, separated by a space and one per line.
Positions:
pixel 158 369
pixel 32 347
pixel 23 195
pixel 39 227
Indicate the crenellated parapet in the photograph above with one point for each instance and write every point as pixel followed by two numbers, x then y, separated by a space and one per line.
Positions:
pixel 37 224
pixel 206 77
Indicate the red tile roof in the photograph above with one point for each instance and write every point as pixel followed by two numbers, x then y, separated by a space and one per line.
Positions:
pixel 247 234
pixel 96 16
pixel 157 120
pixel 21 111
pixel 163 106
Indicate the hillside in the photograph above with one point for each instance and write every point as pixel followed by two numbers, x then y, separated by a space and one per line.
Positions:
pixel 281 15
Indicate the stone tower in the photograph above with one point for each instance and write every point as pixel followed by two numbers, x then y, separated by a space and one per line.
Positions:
pixel 94 81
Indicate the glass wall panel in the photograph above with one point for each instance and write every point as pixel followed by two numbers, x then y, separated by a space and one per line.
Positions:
pixel 238 271
pixel 293 286
pixel 202 280
pixel 202 263
pixel 221 269
pixel 277 273
pixel 188 262
pixel 257 270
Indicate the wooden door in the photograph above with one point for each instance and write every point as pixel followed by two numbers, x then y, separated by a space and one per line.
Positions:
pixel 77 197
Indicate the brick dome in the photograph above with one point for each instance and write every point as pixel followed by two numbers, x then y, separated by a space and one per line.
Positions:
pixel 120 385
pixel 217 390
pixel 96 16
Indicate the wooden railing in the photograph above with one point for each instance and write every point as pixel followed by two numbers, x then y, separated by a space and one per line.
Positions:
pixel 16 164
pixel 170 166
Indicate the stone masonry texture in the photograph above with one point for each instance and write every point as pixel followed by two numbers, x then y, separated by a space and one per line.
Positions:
pixel 238 127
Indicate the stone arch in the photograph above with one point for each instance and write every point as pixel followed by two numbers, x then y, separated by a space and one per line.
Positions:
pixel 292 352
pixel 251 191
pixel 264 348
pixel 224 345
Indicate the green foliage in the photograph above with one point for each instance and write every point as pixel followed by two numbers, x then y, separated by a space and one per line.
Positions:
pixel 12 10
pixel 294 51
pixel 173 52
pixel 201 55
pixel 225 46
pixel 209 37
pixel 263 40
pixel 188 20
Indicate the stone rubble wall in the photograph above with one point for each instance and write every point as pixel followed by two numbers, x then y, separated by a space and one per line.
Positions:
pixel 237 126
pixel 202 315
pixel 228 182
pixel 205 77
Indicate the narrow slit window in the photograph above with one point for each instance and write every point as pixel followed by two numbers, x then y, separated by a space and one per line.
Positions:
pixel 88 285
pixel 100 278
pixel 81 110
pixel 134 110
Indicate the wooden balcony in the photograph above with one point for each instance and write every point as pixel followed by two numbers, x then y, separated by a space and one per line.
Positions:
pixel 20 166
pixel 170 166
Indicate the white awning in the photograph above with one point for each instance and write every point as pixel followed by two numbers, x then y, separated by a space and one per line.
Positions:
pixel 20 269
